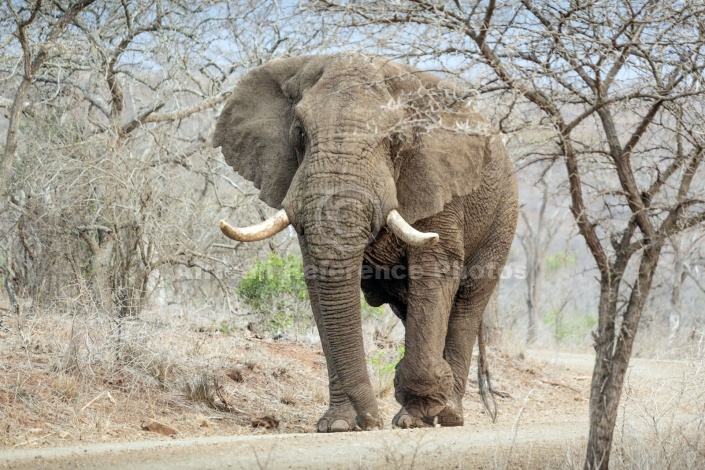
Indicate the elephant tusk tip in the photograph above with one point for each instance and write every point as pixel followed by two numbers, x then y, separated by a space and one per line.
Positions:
pixel 228 230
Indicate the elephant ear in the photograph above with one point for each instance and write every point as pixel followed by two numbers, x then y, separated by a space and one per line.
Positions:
pixel 253 129
pixel 443 145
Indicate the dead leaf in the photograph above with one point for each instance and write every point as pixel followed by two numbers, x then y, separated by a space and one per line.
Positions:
pixel 160 428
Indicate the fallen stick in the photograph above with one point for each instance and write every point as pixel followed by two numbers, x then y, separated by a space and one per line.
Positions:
pixel 110 397
pixel 558 384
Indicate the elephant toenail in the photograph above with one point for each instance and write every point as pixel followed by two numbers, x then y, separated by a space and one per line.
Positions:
pixel 323 425
pixel 339 425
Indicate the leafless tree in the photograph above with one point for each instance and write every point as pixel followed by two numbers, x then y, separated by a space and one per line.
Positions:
pixel 536 234
pixel 619 86
pixel 107 168
pixel 687 262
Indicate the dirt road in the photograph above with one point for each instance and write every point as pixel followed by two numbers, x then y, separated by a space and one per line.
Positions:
pixel 537 434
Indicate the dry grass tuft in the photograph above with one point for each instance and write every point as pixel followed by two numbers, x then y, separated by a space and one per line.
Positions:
pixel 288 399
pixel 206 389
pixel 156 364
pixel 202 389
pixel 66 386
pixel 280 373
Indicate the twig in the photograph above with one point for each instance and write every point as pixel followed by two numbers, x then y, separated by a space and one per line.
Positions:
pixel 558 384
pixel 110 397
pixel 515 425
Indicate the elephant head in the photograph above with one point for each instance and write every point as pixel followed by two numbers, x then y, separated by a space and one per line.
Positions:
pixel 348 145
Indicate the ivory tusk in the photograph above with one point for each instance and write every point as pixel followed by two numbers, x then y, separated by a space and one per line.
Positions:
pixel 409 234
pixel 260 231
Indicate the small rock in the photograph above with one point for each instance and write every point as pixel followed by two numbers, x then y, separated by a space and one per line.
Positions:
pixel 160 428
pixel 266 422
pixel 234 374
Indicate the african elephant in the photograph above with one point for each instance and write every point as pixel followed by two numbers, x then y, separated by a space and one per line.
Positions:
pixel 395 186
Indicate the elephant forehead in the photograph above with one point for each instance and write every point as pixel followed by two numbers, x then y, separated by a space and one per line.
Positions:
pixel 350 78
pixel 358 118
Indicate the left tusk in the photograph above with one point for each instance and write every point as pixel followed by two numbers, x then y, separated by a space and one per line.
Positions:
pixel 260 231
pixel 409 234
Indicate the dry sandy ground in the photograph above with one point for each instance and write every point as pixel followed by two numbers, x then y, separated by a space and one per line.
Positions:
pixel 542 423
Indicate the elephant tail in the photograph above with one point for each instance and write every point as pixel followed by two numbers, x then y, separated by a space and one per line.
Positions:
pixel 483 375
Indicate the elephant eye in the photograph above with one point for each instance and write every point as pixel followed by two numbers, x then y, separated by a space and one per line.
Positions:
pixel 298 139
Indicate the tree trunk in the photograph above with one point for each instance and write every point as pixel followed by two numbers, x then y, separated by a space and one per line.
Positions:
pixel 533 284
pixel 13 131
pixel 679 275
pixel 100 279
pixel 613 354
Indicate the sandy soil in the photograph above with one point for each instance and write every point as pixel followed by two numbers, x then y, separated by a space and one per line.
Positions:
pixel 542 423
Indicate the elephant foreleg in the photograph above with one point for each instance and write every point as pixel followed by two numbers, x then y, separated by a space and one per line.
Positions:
pixel 424 379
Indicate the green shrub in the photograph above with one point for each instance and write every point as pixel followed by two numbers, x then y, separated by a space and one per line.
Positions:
pixel 384 362
pixel 382 367
pixel 559 261
pixel 276 290
pixel 371 313
pixel 273 278
pixel 575 327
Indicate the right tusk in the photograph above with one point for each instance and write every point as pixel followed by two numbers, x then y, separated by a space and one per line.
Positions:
pixel 409 234
pixel 255 233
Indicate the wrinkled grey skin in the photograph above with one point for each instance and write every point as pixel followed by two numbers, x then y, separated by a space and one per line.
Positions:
pixel 339 141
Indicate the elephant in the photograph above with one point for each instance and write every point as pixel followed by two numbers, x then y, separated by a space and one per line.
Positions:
pixel 397 187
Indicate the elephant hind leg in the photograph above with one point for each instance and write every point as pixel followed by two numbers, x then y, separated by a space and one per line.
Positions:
pixel 463 328
pixel 465 321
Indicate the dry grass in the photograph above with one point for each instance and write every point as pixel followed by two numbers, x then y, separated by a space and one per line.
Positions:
pixel 81 377
pixel 68 378
pixel 662 422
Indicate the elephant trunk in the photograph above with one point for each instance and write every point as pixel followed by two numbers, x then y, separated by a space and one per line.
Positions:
pixel 339 301
pixel 335 264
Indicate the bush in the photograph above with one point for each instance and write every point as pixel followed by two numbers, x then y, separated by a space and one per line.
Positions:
pixel 576 327
pixel 383 365
pixel 559 261
pixel 276 290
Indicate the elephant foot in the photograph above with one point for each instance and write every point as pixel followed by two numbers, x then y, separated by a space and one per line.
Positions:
pixel 368 422
pixel 450 416
pixel 342 419
pixel 415 415
pixel 405 420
